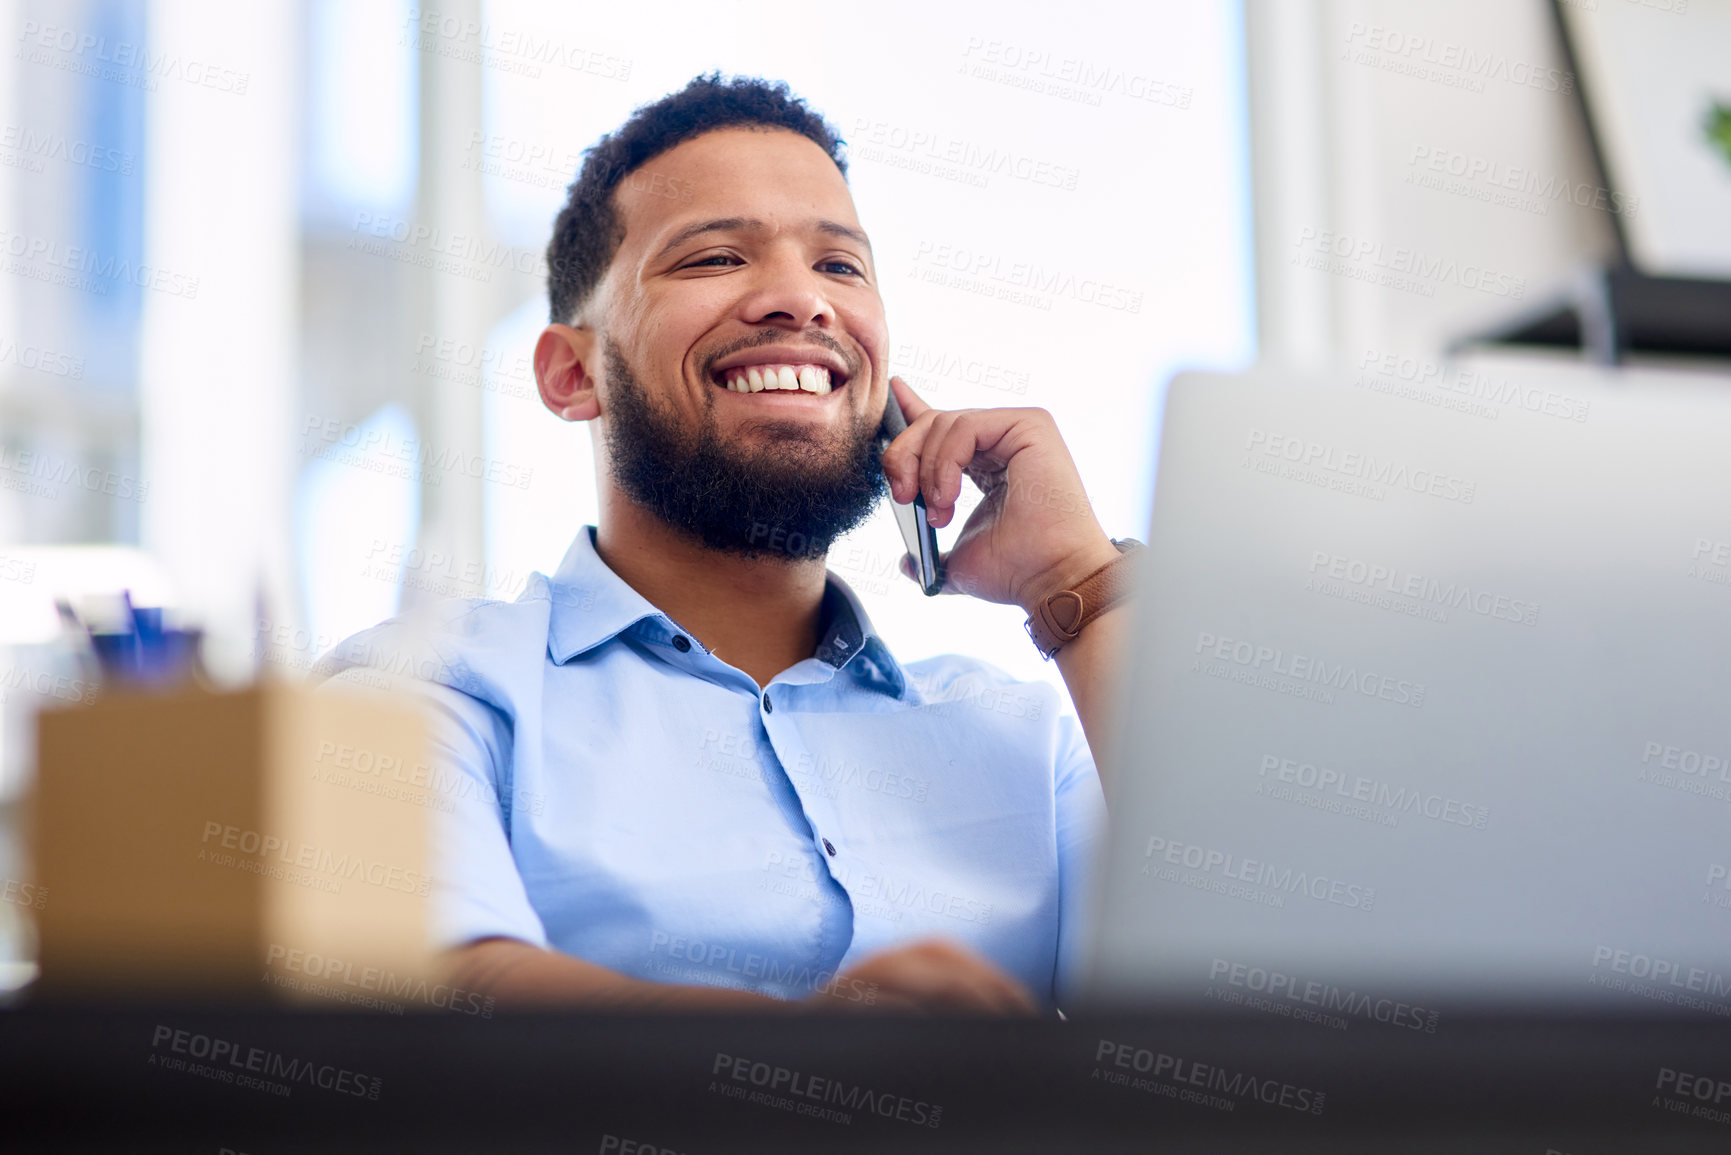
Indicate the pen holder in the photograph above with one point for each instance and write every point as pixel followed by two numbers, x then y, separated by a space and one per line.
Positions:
pixel 191 844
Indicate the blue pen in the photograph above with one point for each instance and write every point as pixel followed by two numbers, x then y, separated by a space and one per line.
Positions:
pixel 134 631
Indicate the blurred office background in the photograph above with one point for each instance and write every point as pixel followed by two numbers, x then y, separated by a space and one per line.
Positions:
pixel 273 271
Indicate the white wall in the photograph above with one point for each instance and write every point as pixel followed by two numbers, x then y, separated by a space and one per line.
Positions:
pixel 1351 100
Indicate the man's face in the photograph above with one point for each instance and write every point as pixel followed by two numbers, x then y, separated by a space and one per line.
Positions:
pixel 763 273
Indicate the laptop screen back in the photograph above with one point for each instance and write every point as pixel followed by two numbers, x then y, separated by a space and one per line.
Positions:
pixel 1430 697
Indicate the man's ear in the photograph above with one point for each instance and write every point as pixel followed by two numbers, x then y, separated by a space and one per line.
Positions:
pixel 565 359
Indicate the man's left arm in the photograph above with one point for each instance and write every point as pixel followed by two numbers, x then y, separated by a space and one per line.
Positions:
pixel 1032 535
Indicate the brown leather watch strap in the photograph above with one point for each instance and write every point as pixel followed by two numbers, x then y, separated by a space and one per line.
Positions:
pixel 1060 617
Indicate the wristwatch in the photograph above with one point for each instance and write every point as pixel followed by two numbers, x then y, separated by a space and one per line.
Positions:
pixel 1059 617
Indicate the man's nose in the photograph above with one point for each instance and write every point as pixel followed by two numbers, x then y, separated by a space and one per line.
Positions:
pixel 786 292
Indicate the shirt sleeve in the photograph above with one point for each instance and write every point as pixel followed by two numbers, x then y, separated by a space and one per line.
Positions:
pixel 1081 819
pixel 477 890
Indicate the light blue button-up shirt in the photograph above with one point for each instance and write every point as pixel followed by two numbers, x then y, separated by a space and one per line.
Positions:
pixel 610 789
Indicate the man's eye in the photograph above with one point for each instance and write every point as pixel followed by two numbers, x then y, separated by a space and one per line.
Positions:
pixel 711 261
pixel 845 268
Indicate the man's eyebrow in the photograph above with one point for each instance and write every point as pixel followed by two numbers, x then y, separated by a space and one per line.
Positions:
pixel 731 224
pixel 840 230
pixel 719 225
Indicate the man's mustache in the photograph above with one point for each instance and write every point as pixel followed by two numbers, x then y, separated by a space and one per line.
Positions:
pixel 779 336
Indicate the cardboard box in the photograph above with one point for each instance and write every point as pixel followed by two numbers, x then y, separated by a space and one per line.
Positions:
pixel 264 844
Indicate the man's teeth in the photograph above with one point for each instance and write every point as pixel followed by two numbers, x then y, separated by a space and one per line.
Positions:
pixel 801 379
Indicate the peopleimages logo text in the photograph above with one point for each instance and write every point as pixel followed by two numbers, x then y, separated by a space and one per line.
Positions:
pixel 1360 466
pixel 1449 594
pixel 1464 61
pixel 815 1089
pixel 1399 262
pixel 1238 1085
pixel 1659 970
pixel 1258 873
pixel 1474 385
pixel 1305 668
pixel 1357 788
pixel 1280 985
pixel 1027 275
pixel 229 1057
pixel 375 872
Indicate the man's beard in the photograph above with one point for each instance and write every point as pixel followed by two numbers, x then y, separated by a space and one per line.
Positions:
pixel 790 497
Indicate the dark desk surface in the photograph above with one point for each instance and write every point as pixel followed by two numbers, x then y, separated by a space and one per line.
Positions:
pixel 149 1079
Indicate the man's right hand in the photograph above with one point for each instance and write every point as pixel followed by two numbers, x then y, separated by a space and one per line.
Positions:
pixel 933 976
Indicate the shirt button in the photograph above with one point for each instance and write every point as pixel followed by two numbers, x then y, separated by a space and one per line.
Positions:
pixel 682 643
pixel 767 708
pixel 829 846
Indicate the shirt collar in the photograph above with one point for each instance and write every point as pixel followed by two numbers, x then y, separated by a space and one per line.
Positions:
pixel 592 605
pixel 849 639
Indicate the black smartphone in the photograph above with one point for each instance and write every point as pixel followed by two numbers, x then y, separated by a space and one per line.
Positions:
pixel 921 538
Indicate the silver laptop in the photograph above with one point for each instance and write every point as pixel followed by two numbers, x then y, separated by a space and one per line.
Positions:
pixel 1430 698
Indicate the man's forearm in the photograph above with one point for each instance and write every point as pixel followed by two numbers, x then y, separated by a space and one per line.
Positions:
pixel 1092 662
pixel 1092 667
pixel 519 974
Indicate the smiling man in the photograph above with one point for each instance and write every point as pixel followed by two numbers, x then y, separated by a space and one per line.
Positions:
pixel 708 782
